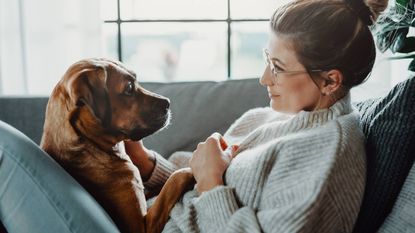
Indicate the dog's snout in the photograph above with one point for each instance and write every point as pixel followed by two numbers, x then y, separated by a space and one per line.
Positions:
pixel 162 103
pixel 165 103
pixel 155 100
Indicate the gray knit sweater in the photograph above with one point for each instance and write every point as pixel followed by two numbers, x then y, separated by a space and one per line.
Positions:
pixel 293 173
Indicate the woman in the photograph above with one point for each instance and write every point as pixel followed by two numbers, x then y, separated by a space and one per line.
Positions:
pixel 299 165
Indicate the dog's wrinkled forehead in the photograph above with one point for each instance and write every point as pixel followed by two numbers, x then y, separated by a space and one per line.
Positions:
pixel 117 67
pixel 99 72
pixel 91 76
pixel 100 63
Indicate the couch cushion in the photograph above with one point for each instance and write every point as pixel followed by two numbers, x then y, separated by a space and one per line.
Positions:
pixel 26 114
pixel 402 217
pixel 201 108
pixel 389 126
pixel 198 109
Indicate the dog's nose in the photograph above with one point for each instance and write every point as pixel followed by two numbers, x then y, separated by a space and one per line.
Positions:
pixel 164 103
pixel 167 103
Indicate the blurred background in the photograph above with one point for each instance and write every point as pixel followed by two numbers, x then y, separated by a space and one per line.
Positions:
pixel 162 40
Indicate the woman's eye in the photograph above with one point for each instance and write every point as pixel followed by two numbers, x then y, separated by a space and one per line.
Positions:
pixel 277 68
pixel 129 89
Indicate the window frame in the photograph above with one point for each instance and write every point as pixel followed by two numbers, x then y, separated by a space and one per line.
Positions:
pixel 229 20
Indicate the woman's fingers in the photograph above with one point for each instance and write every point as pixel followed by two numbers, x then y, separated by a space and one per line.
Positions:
pixel 234 149
pixel 222 142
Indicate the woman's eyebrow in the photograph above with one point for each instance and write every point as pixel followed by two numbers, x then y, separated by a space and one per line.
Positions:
pixel 278 60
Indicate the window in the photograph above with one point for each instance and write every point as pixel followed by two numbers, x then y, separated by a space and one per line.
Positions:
pixel 39 40
pixel 162 40
pixel 184 40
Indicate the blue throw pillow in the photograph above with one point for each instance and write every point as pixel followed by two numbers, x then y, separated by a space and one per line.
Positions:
pixel 389 126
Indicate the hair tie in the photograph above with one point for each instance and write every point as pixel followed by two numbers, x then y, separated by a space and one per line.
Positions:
pixel 362 10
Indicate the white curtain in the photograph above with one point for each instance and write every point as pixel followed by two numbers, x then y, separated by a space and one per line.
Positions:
pixel 40 39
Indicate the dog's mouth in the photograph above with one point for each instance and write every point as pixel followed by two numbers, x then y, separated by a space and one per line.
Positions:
pixel 155 125
pixel 138 134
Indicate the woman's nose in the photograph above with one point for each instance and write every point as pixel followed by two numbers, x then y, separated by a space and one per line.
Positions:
pixel 266 79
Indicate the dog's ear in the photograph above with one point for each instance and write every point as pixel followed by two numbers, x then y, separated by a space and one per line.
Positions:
pixel 87 88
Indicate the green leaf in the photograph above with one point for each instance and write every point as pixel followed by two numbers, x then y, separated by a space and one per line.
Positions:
pixel 402 2
pixel 407 45
pixel 387 39
pixel 399 40
pixel 401 6
pixel 411 66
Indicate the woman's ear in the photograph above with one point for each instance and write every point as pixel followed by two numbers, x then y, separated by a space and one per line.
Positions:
pixel 333 80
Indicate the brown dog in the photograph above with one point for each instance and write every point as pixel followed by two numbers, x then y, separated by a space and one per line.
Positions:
pixel 97 104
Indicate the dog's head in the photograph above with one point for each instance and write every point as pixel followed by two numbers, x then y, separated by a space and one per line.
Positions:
pixel 104 102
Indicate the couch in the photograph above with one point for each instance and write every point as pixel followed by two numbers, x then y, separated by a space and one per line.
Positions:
pixel 200 108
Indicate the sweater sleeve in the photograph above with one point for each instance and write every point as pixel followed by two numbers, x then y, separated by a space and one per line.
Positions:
pixel 162 170
pixel 218 211
pixel 296 197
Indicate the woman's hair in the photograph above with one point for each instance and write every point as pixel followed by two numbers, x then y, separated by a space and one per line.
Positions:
pixel 331 34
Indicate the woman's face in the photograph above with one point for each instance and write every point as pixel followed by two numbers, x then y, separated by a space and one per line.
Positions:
pixel 288 92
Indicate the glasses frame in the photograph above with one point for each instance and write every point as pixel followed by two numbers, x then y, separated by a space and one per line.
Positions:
pixel 276 72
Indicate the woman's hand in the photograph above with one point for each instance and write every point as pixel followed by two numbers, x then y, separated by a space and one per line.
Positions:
pixel 209 161
pixel 141 157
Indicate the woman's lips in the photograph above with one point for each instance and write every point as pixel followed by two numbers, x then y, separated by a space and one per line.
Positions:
pixel 272 96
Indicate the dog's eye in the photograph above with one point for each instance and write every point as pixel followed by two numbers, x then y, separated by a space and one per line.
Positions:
pixel 129 89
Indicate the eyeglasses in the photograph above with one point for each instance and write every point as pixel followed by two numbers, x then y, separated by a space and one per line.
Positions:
pixel 277 72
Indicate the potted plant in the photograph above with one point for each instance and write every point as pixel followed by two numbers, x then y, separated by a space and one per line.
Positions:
pixel 392 31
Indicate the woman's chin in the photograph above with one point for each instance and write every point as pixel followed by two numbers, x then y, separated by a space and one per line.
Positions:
pixel 275 106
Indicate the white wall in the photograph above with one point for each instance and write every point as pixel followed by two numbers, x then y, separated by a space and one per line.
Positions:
pixel 47 36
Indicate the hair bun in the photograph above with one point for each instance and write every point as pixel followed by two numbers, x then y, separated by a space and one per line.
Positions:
pixel 362 10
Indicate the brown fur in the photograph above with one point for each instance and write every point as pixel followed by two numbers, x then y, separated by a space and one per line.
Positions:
pixel 88 113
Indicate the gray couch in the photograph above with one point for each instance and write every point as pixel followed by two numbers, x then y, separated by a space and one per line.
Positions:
pixel 200 108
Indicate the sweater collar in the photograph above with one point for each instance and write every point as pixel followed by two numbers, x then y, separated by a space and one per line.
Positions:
pixel 280 124
pixel 340 108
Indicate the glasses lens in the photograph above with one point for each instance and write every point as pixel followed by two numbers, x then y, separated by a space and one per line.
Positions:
pixel 270 65
pixel 265 56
